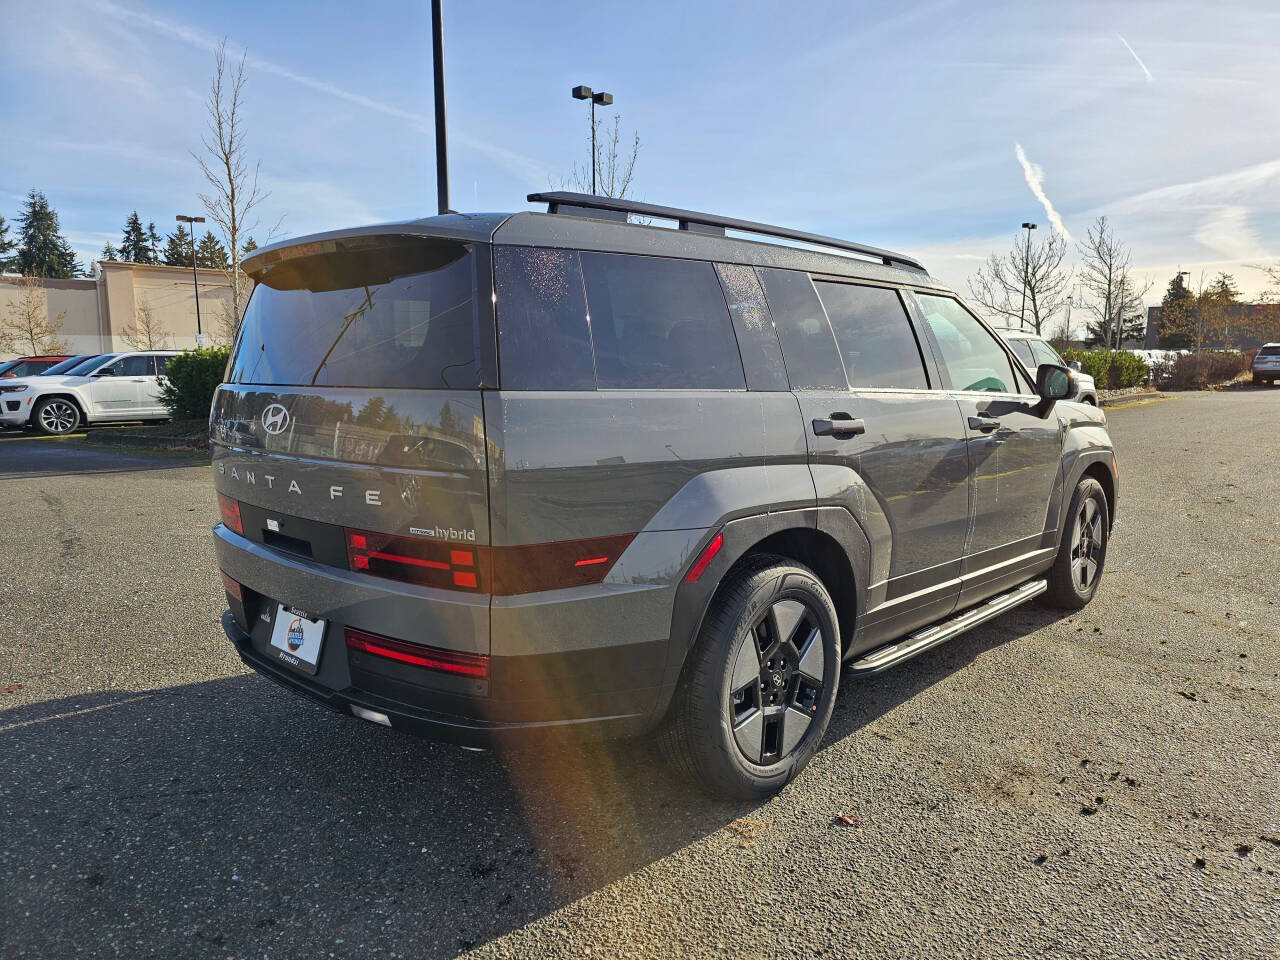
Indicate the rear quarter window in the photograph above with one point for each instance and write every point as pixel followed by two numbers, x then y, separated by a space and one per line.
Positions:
pixel 543 339
pixel 659 323
pixel 371 312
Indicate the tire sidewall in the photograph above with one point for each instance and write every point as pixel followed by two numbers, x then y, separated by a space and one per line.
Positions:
pixel 1087 488
pixel 789 582
pixel 40 407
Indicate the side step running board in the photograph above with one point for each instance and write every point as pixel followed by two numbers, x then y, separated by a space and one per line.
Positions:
pixel 891 654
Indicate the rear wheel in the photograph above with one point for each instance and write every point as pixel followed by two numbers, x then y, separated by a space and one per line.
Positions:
pixel 761 681
pixel 56 415
pixel 1076 571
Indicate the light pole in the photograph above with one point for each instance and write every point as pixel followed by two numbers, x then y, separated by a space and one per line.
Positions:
pixel 195 277
pixel 604 99
pixel 1026 263
pixel 442 146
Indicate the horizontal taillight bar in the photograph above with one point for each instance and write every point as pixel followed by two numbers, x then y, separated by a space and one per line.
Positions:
pixel 502 571
pixel 475 665
pixel 230 511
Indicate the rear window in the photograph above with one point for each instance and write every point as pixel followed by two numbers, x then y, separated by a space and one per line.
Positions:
pixel 375 312
pixel 659 323
pixel 1269 352
pixel 875 338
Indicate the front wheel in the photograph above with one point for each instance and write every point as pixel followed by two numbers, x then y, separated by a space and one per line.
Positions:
pixel 1076 571
pixel 56 415
pixel 760 684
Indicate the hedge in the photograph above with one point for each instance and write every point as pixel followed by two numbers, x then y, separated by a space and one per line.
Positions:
pixel 1193 370
pixel 1110 369
pixel 190 381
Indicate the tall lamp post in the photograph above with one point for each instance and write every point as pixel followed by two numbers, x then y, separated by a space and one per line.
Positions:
pixel 1026 262
pixel 604 99
pixel 195 277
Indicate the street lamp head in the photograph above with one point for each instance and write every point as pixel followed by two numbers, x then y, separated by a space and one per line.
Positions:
pixel 1028 226
pixel 603 99
pixel 582 93
pixel 185 219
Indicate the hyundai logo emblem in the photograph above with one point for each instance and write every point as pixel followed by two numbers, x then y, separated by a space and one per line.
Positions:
pixel 274 419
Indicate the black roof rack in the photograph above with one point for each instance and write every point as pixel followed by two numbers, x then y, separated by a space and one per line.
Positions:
pixel 608 208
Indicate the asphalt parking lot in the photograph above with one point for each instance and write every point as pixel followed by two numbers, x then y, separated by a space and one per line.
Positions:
pixel 1102 784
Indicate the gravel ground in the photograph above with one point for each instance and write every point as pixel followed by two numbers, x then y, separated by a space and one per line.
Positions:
pixel 1104 784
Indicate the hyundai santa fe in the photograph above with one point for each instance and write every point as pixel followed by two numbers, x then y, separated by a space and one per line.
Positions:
pixel 481 475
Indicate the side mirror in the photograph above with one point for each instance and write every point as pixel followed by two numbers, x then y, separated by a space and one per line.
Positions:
pixel 1054 382
pixel 1075 365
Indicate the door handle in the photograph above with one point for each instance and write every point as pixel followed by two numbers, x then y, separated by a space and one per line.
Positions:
pixel 984 424
pixel 838 425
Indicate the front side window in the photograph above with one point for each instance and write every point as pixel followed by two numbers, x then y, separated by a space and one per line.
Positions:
pixel 1023 349
pixel 659 323
pixel 138 365
pixel 543 339
pixel 813 361
pixel 874 335
pixel 972 355
pixel 389 311
pixel 1045 354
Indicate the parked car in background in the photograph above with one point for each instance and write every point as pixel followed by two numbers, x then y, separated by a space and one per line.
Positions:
pixel 569 471
pixel 1034 350
pixel 29 366
pixel 98 389
pixel 1266 365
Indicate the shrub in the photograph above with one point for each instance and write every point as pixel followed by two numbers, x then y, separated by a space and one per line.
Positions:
pixel 190 381
pixel 1195 370
pixel 1111 369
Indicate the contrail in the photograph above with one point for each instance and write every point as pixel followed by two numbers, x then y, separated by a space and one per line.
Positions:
pixel 1138 58
pixel 1035 180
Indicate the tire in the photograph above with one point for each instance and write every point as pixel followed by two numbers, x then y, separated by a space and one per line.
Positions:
pixel 751 708
pixel 56 415
pixel 1077 570
pixel 1090 401
pixel 1258 381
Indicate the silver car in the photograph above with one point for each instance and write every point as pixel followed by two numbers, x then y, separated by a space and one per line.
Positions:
pixel 1034 350
pixel 1266 365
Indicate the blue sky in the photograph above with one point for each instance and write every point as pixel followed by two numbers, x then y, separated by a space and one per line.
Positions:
pixel 895 124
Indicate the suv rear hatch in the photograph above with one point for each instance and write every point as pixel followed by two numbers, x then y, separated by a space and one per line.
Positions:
pixel 349 439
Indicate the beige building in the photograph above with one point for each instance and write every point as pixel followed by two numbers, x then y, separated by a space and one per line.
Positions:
pixel 96 310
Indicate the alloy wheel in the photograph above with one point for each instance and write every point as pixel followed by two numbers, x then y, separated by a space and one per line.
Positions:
pixel 1086 549
pixel 777 681
pixel 58 416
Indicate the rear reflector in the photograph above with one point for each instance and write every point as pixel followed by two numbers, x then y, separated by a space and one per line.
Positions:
pixel 556 565
pixel 474 665
pixel 232 586
pixel 704 559
pixel 230 511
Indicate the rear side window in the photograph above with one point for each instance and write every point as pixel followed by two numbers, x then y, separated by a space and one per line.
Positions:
pixel 543 339
pixel 367 312
pixel 659 323
pixel 162 363
pixel 876 341
pixel 757 340
pixel 972 356
pixel 138 365
pixel 813 362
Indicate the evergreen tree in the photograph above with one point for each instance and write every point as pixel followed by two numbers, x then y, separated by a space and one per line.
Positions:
pixel 250 245
pixel 133 247
pixel 153 243
pixel 42 249
pixel 8 262
pixel 108 253
pixel 1177 304
pixel 177 251
pixel 211 253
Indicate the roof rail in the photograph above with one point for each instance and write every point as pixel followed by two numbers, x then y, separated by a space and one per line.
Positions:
pixel 609 208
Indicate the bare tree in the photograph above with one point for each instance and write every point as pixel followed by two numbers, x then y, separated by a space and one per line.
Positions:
pixel 615 164
pixel 27 327
pixel 234 190
pixel 1027 281
pixel 147 332
pixel 1112 293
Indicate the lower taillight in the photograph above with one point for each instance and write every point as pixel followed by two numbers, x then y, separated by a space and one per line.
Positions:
pixel 432 563
pixel 474 665
pixel 233 587
pixel 230 511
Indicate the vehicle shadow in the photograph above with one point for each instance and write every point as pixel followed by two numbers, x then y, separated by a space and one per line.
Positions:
pixel 231 817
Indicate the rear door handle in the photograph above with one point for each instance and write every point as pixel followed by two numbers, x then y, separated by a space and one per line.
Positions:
pixel 984 424
pixel 838 425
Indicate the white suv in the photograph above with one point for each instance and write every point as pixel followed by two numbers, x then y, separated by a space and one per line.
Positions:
pixel 1266 365
pixel 1033 350
pixel 113 386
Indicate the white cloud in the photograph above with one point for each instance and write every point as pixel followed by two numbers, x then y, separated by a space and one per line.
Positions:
pixel 1034 174
pixel 1228 233
pixel 1128 47
pixel 1222 188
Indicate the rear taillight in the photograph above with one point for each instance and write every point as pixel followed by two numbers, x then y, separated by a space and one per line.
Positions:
pixel 475 665
pixel 430 563
pixel 233 588
pixel 230 511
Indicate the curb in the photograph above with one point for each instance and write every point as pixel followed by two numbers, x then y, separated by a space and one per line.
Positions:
pixel 1136 399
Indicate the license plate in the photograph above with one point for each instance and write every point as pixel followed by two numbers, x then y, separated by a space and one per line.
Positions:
pixel 296 639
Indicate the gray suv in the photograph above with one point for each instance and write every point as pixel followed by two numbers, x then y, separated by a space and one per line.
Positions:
pixel 482 475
